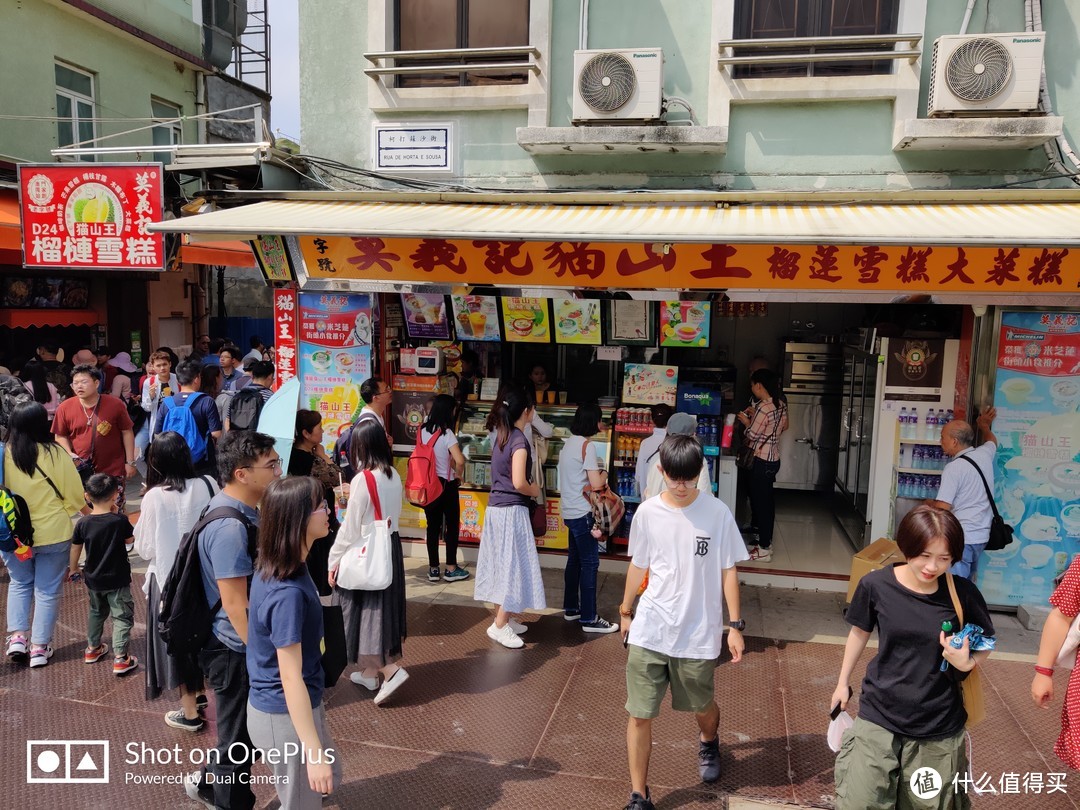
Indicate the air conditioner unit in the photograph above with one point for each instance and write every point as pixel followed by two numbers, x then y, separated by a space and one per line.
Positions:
pixel 986 73
pixel 618 86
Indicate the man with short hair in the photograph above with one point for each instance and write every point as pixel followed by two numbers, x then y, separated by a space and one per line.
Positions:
pixel 256 352
pixel 689 545
pixel 961 490
pixel 158 385
pixel 102 356
pixel 201 348
pixel 56 372
pixel 376 396
pixel 203 410
pixel 650 445
pixel 232 376
pixel 262 377
pixel 247 463
pixel 96 427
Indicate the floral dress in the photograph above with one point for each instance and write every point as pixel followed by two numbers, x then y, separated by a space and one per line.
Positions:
pixel 1066 598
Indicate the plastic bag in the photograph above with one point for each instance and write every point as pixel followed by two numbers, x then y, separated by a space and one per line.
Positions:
pixel 837 726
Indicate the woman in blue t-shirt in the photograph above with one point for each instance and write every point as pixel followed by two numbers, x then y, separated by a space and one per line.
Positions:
pixel 284 652
pixel 507 569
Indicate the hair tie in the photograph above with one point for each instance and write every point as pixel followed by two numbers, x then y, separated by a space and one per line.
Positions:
pixel 505 404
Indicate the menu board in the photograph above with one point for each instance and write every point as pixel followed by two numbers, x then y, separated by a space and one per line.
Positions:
pixel 476 317
pixel 649 385
pixel 1036 471
pixel 425 315
pixel 684 324
pixel 333 360
pixel 577 321
pixel 527 320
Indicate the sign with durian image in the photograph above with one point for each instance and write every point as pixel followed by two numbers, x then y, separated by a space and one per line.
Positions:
pixel 92 215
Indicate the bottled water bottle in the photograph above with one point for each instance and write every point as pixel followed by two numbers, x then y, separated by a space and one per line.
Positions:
pixel 931 423
pixel 902 421
pixel 902 461
pixel 913 423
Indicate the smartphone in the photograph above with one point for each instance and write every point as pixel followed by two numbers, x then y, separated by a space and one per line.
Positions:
pixel 836 709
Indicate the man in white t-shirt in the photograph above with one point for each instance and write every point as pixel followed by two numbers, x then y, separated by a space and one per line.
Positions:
pixel 688 543
pixel 650 445
pixel 962 491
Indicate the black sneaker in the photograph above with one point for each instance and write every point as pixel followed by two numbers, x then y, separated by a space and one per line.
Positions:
pixel 599 625
pixel 201 702
pixel 639 802
pixel 176 719
pixel 434 575
pixel 709 760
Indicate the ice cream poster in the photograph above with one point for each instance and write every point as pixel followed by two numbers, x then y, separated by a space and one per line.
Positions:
pixel 1037 465
pixel 476 317
pixel 577 320
pixel 649 385
pixel 684 324
pixel 527 320
pixel 335 356
pixel 425 315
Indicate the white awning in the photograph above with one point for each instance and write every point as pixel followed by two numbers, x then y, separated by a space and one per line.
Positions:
pixel 974 224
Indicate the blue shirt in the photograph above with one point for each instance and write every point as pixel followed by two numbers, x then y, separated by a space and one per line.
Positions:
pixel 283 612
pixel 223 552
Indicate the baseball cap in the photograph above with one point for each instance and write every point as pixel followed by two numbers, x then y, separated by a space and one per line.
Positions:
pixel 682 424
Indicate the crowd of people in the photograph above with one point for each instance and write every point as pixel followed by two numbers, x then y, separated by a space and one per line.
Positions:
pixel 269 546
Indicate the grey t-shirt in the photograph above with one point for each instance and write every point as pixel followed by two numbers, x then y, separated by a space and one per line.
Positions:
pixel 223 552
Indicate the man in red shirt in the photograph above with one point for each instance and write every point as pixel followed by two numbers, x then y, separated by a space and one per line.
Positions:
pixel 96 427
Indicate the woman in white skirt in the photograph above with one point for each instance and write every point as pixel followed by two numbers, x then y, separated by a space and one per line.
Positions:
pixel 507 568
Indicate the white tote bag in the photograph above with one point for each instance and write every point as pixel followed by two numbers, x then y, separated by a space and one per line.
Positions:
pixel 1066 658
pixel 367 565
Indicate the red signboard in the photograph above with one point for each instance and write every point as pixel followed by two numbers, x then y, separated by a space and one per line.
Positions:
pixel 91 215
pixel 285 343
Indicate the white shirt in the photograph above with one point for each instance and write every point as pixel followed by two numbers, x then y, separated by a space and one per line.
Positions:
pixel 538 426
pixel 962 488
pixel 443 466
pixel 166 517
pixel 151 404
pixel 360 511
pixel 367 412
pixel 681 613
pixel 254 354
pixel 655 483
pixel 649 445
pixel 574 476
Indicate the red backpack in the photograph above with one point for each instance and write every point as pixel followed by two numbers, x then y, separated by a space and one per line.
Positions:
pixel 422 485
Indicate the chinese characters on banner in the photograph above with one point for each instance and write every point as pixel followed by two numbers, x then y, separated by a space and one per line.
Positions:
pixel 91 215
pixel 691 266
pixel 1036 470
pixel 273 258
pixel 335 356
pixel 285 343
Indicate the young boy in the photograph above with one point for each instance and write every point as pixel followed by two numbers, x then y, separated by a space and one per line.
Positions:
pixel 688 543
pixel 107 537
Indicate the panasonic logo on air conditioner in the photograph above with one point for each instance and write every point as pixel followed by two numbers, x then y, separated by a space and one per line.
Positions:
pixel 653 55
pixel 1027 39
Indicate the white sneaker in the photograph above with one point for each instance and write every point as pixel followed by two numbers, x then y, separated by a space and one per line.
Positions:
pixel 391 685
pixel 517 627
pixel 505 635
pixel 39 656
pixel 368 683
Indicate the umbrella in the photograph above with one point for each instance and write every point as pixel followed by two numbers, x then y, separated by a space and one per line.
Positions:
pixel 278 418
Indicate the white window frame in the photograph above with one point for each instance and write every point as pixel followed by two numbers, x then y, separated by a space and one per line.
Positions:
pixel 901 85
pixel 75 97
pixel 170 124
pixel 383 97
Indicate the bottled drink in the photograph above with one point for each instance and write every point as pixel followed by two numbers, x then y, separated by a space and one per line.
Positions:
pixel 949 415
pixel 903 460
pixel 917 457
pixel 912 423
pixel 931 424
pixel 902 421
pixel 714 433
pixel 902 485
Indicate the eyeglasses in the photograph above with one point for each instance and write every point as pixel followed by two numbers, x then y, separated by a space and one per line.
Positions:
pixel 273 465
pixel 680 484
pixel 321 509
pixel 387 391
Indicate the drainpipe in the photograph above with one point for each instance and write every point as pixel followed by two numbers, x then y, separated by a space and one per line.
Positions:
pixel 1033 18
pixel 967 16
pixel 583 26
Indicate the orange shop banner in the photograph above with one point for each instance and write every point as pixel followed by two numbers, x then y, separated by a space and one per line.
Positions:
pixel 618 265
pixel 92 215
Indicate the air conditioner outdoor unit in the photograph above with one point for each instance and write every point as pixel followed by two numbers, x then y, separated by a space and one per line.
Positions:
pixel 986 73
pixel 618 86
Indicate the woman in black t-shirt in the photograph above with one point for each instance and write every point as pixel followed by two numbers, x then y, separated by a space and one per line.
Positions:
pixel 911 713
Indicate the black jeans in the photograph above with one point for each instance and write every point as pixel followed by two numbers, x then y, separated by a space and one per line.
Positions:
pixel 226 673
pixel 444 512
pixel 762 499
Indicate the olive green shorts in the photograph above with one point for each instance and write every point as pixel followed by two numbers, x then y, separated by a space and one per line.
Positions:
pixel 648 674
pixel 875 767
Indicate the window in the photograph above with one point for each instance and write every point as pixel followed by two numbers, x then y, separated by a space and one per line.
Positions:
pixel 74 107
pixel 169 132
pixel 457 24
pixel 775 19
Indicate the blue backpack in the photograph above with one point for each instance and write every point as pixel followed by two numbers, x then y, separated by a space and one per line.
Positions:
pixel 179 417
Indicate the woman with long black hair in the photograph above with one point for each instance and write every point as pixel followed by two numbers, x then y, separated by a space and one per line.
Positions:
pixel 309 457
pixel 33 377
pixel 444 513
pixel 764 422
pixel 39 470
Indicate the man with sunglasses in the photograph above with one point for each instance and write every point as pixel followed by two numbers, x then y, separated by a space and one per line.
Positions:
pixel 247 463
pixel 689 543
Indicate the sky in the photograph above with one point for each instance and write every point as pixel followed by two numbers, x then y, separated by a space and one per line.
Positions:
pixel 284 68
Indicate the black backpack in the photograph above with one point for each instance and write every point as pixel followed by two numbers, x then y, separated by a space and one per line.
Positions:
pixel 185 618
pixel 15 526
pixel 246 407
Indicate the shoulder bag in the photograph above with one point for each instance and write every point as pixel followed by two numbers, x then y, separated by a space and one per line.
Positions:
pixel 367 564
pixel 1001 533
pixel 745 455
pixel 1066 657
pixel 85 466
pixel 607 507
pixel 971 688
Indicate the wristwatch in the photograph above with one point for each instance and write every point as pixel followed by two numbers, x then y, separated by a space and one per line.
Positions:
pixel 740 625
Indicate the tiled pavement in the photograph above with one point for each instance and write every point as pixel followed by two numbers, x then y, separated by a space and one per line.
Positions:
pixel 478 726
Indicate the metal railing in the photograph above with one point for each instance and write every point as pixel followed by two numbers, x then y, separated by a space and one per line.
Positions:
pixel 457 60
pixel 809 49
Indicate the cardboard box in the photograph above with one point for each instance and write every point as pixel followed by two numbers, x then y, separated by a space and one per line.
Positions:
pixel 877 555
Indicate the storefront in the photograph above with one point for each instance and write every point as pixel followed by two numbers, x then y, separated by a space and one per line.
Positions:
pixel 624 298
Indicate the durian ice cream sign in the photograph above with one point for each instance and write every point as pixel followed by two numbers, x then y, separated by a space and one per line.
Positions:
pixel 95 216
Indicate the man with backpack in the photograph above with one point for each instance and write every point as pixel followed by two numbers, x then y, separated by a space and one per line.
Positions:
pixel 247 463
pixel 193 415
pixel 246 405
pixel 376 396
